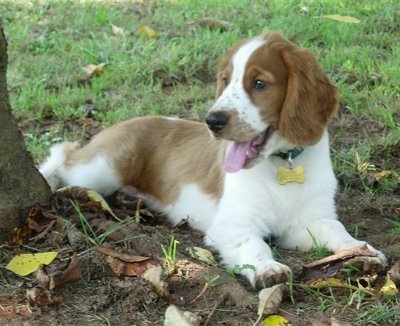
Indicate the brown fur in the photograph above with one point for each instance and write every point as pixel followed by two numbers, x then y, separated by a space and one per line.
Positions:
pixel 157 155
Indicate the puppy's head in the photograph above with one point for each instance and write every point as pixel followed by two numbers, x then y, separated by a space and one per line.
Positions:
pixel 267 84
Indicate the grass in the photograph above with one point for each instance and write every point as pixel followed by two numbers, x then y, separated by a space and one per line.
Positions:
pixel 173 74
pixel 170 254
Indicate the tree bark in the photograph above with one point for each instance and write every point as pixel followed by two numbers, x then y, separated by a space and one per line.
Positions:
pixel 21 185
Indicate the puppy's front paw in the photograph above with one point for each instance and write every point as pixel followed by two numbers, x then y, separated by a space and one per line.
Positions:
pixel 367 263
pixel 271 274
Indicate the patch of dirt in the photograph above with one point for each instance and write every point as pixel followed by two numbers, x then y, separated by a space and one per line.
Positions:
pixel 102 297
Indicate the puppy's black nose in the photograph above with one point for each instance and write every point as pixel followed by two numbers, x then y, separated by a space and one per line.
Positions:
pixel 216 121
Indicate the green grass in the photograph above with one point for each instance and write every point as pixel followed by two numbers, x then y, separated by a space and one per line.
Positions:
pixel 173 73
pixel 49 42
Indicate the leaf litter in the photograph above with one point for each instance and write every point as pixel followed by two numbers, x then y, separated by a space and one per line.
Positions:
pixel 131 251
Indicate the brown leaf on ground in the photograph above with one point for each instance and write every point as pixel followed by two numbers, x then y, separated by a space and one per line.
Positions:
pixel 329 266
pixel 127 265
pixel 42 297
pixel 211 23
pixel 41 218
pixel 271 298
pixel 18 236
pixel 57 274
pixel 394 274
pixel 92 70
pixel 153 275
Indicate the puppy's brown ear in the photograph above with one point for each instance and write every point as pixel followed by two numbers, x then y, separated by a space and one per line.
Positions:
pixel 311 98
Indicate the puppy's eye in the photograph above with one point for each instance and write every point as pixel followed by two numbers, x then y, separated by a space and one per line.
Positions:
pixel 225 81
pixel 259 84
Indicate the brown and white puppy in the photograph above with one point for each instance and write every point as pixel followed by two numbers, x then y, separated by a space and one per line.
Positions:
pixel 263 170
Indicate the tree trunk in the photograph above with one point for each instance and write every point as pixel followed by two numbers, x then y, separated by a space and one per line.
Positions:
pixel 21 185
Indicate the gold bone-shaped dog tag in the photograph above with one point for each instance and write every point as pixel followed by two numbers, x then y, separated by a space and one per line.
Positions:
pixel 295 174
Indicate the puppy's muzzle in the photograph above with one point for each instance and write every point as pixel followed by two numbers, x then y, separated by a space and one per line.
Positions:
pixel 216 121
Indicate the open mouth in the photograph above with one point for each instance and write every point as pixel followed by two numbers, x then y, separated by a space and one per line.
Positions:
pixel 240 153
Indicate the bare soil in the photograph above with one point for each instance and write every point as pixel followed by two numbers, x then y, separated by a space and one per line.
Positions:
pixel 100 297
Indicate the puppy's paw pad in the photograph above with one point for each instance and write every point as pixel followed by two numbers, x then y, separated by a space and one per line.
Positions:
pixel 273 273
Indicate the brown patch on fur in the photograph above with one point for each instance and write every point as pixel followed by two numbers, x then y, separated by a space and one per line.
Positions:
pixel 158 155
pixel 225 69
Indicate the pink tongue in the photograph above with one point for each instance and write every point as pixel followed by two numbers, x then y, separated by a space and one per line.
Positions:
pixel 236 157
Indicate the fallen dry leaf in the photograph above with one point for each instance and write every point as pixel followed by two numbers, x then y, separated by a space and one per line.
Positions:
pixel 394 273
pixel 96 197
pixel 40 219
pixel 117 31
pixel 127 265
pixel 389 288
pixel 336 283
pixel 270 300
pixel 147 31
pixel 25 264
pixel 211 23
pixel 19 235
pixel 41 297
pixel 329 266
pixel 153 276
pixel 92 70
pixel 202 255
pixel 174 316
pixel 57 274
pixel 342 19
pixel 276 320
pixel 85 195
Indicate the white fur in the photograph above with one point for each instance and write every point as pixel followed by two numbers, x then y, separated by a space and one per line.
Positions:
pixel 192 205
pixel 97 174
pixel 49 169
pixel 234 97
pixel 298 215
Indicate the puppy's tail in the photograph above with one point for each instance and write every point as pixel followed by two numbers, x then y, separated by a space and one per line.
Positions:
pixel 52 169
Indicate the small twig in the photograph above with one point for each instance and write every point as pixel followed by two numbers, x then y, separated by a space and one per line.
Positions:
pixel 137 211
pixel 220 300
pixel 343 255
pixel 203 290
pixel 42 234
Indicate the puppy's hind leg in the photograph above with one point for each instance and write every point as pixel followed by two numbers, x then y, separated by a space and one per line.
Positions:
pixel 50 169
pixel 66 167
